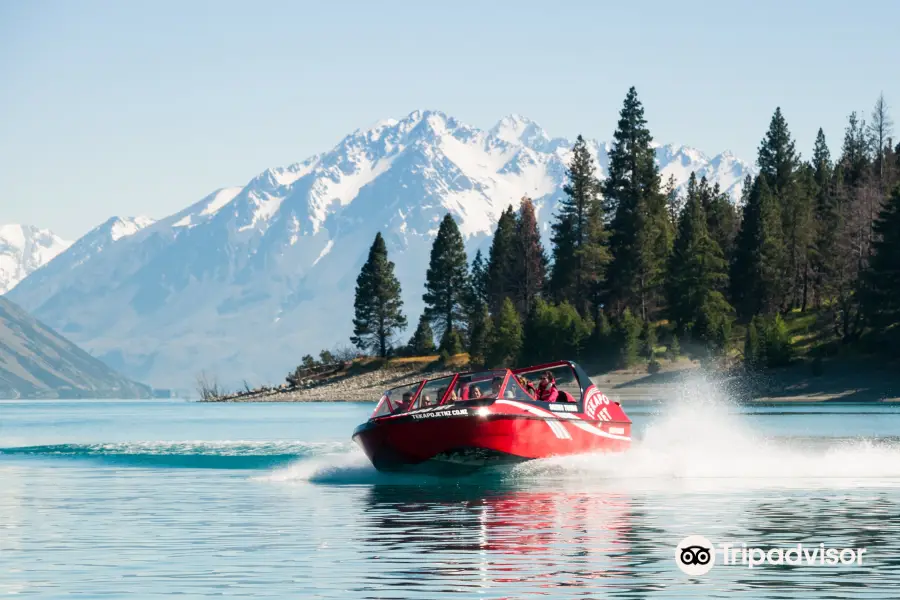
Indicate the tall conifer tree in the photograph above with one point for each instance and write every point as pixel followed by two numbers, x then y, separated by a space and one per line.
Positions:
pixel 778 158
pixel 827 219
pixel 757 273
pixel 697 271
pixel 779 163
pixel 422 341
pixel 641 231
pixel 447 286
pixel 721 216
pixel 377 306
pixel 580 254
pixel 502 262
pixel 505 341
pixel 530 260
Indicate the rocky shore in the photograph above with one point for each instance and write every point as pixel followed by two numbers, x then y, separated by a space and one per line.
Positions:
pixel 840 382
pixel 360 387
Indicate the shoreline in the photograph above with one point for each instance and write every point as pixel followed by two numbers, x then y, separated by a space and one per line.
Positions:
pixel 845 382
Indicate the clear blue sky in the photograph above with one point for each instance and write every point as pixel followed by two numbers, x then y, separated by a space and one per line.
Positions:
pixel 125 108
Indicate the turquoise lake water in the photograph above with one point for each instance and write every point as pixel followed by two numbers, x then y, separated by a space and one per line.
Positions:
pixel 143 499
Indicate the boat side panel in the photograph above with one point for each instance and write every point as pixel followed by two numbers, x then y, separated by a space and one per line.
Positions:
pixel 414 440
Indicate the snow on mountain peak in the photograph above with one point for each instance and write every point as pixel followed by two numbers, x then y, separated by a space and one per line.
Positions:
pixel 125 226
pixel 518 130
pixel 23 250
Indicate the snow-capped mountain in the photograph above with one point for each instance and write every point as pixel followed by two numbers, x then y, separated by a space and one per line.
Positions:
pixel 24 249
pixel 247 280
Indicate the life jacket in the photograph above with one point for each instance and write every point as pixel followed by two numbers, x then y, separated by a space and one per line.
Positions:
pixel 547 393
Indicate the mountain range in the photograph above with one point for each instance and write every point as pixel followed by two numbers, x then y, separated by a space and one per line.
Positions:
pixel 245 281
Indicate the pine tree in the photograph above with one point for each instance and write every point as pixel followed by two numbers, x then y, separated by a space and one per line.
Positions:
pixel 801 234
pixel 479 334
pixel 501 265
pixel 422 341
pixel 777 158
pixel 601 344
pixel 757 270
pixel 641 231
pixel 377 305
pixel 674 201
pixel 721 216
pixel 882 290
pixel 530 262
pixel 855 152
pixel 506 337
pixel 479 279
pixel 880 130
pixel 697 268
pixel 536 333
pixel 859 202
pixel 779 163
pixel 447 285
pixel 580 254
pixel 827 218
pixel 628 334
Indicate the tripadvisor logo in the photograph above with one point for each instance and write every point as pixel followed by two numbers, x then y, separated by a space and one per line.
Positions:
pixel 696 555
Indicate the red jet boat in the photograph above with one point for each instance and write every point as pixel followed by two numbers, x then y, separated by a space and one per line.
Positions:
pixel 465 421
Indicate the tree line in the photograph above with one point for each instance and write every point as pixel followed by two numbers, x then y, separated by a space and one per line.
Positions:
pixel 631 252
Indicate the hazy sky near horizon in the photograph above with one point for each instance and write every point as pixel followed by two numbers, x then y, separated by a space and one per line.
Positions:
pixel 127 108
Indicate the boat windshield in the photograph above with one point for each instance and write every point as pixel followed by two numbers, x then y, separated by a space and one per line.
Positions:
pixel 562 375
pixel 483 384
pixel 396 400
pixel 433 392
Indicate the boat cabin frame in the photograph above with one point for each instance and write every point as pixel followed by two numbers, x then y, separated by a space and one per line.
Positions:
pixel 571 381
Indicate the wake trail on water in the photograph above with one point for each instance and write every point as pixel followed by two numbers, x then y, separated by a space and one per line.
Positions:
pixel 700 437
pixel 239 454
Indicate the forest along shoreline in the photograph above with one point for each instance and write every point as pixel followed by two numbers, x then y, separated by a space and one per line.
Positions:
pixel 840 381
pixel 790 294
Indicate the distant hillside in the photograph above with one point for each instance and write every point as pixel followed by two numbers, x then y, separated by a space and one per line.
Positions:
pixel 36 362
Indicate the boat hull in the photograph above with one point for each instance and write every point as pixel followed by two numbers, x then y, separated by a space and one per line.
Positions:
pixel 459 439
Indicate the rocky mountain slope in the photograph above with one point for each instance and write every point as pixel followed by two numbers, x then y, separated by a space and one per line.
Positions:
pixel 36 362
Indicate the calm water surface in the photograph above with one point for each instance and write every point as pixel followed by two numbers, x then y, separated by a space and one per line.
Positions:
pixel 143 499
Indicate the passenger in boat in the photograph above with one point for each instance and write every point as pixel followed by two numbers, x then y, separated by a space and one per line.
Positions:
pixel 474 392
pixel 529 387
pixel 496 384
pixel 547 391
pixel 403 404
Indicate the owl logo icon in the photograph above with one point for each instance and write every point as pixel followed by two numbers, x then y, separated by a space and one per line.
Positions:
pixel 695 555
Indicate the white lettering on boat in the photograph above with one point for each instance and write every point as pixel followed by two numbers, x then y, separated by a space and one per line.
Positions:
pixel 456 412
pixel 592 406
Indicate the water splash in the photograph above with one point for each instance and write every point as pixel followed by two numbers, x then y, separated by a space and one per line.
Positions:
pixel 699 438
